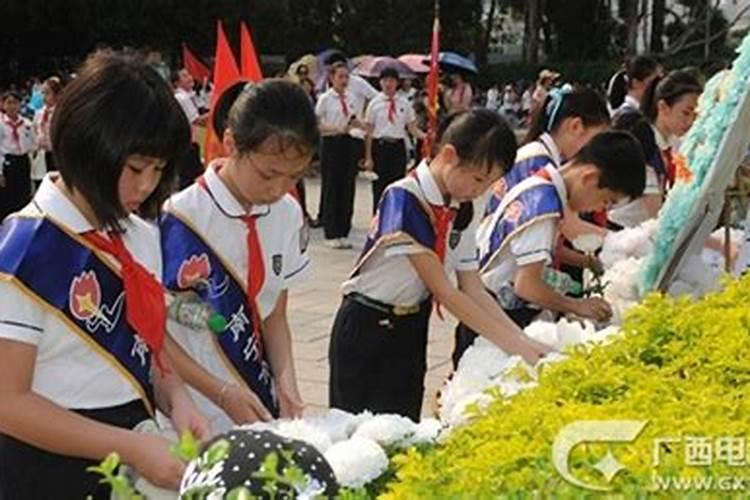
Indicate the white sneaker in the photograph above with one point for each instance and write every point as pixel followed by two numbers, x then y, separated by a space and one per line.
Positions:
pixel 344 244
pixel 333 243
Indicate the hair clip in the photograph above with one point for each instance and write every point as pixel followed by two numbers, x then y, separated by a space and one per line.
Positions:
pixel 553 106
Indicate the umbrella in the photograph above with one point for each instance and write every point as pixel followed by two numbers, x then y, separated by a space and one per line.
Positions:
pixel 371 68
pixel 414 61
pixel 308 60
pixel 456 62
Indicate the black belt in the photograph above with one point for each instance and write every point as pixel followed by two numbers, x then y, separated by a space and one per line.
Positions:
pixel 387 308
pixel 389 140
pixel 15 157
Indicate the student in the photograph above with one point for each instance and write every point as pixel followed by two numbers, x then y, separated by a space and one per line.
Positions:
pixel 337 116
pixel 517 240
pixel 459 96
pixel 16 142
pixel 387 119
pixel 422 232
pixel 82 319
pixel 190 166
pixel 238 241
pixel 627 86
pixel 43 120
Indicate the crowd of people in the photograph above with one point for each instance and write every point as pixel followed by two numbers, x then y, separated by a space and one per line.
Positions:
pixel 127 219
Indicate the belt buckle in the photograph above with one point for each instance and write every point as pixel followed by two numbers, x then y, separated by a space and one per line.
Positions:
pixel 405 310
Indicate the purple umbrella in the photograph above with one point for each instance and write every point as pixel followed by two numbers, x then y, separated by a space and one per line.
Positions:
pixel 371 68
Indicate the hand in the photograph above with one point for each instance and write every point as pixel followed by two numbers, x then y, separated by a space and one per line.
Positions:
pixel 529 349
pixel 593 263
pixel 290 402
pixel 594 308
pixel 187 417
pixel 242 405
pixel 2 181
pixel 152 458
pixel 355 123
pixel 367 164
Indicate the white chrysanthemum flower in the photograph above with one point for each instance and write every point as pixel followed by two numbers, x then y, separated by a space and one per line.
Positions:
pixel 386 430
pixel 338 424
pixel 544 332
pixel 588 243
pixel 458 413
pixel 302 430
pixel 427 431
pixel 356 461
pixel 635 242
pixel 259 426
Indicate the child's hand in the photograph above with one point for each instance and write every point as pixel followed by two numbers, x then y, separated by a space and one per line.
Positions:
pixel 594 308
pixel 186 417
pixel 243 405
pixel 153 460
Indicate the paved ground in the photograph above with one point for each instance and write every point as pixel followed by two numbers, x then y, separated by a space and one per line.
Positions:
pixel 314 302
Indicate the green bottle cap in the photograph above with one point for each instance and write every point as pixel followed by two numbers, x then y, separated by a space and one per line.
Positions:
pixel 217 323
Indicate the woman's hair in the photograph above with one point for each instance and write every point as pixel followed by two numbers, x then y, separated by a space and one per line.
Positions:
pixel 11 94
pixel 481 137
pixel 274 108
pixel 635 68
pixel 568 102
pixel 638 125
pixel 54 84
pixel 223 104
pixel 669 89
pixel 116 107
pixel 619 158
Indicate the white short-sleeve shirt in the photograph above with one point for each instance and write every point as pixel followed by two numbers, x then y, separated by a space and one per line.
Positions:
pixel 67 370
pixel 8 143
pixel 330 111
pixel 388 276
pixel 215 214
pixel 188 103
pixel 378 116
pixel 631 213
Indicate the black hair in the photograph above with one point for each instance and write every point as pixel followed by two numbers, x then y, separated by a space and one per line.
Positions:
pixel 223 104
pixel 11 93
pixel 637 124
pixel 389 72
pixel 635 68
pixel 273 108
pixel 481 137
pixel 669 89
pixel 54 84
pixel 619 158
pixel 174 75
pixel 581 102
pixel 335 57
pixel 118 106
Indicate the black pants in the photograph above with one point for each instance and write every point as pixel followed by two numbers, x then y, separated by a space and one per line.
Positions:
pixel 465 336
pixel 338 175
pixel 28 472
pixel 190 166
pixel 390 165
pixel 17 191
pixel 49 161
pixel 378 360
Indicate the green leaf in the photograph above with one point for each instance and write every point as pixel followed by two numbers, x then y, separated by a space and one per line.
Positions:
pixel 217 452
pixel 240 493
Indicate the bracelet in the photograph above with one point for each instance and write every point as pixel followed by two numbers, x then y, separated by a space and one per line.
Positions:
pixel 223 393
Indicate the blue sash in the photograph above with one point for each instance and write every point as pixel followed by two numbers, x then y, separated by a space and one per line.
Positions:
pixel 529 205
pixel 71 281
pixel 522 169
pixel 191 264
pixel 401 218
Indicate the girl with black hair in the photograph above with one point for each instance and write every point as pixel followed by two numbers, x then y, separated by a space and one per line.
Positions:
pixel 422 232
pixel 83 316
pixel 239 241
pixel 627 86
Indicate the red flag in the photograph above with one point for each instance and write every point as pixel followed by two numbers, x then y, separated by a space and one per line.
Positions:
pixel 193 65
pixel 249 59
pixel 432 87
pixel 226 73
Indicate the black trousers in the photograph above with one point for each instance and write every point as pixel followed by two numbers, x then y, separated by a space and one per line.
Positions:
pixel 338 176
pixel 390 164
pixel 378 360
pixel 465 336
pixel 190 166
pixel 28 472
pixel 17 191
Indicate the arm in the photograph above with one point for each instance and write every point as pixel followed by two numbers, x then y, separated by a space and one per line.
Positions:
pixel 573 226
pixel 240 404
pixel 430 270
pixel 415 131
pixel 652 203
pixel 368 164
pixel 530 286
pixel 278 341
pixel 38 421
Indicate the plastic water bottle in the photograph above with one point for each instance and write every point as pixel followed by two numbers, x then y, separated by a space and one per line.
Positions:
pixel 187 309
pixel 561 282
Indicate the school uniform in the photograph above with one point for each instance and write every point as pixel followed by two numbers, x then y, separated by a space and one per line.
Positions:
pixel 42 125
pixel 190 166
pixel 521 231
pixel 239 263
pixel 631 213
pixel 64 294
pixel 388 117
pixel 338 168
pixel 665 164
pixel 16 142
pixel 629 105
pixel 377 350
